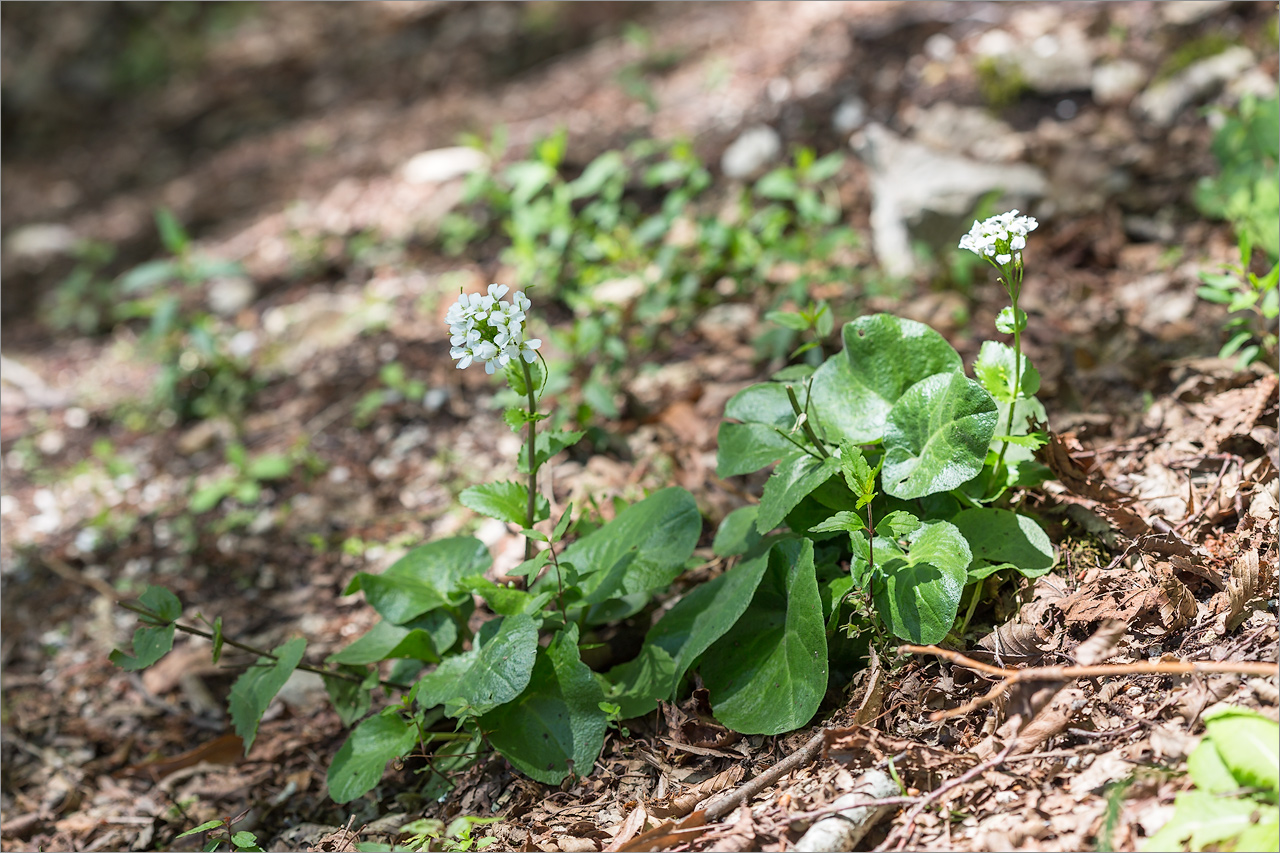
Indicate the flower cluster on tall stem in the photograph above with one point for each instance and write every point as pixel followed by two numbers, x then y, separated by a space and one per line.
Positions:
pixel 1000 240
pixel 483 329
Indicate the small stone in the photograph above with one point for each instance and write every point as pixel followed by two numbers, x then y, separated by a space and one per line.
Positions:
pixel 850 115
pixel 443 164
pixel 51 442
pixel 435 398
pixel 1162 103
pixel 75 418
pixel 40 241
pixel 751 152
pixel 940 47
pixel 1117 82
pixel 229 296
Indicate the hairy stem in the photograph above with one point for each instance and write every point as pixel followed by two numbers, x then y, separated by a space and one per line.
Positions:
pixel 533 455
pixel 245 647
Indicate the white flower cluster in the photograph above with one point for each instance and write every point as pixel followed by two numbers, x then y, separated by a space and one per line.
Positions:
pixel 1001 237
pixel 483 328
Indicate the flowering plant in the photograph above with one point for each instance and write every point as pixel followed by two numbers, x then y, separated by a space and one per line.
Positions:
pixel 483 328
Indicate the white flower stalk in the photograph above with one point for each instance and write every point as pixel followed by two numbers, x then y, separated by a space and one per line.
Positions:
pixel 484 329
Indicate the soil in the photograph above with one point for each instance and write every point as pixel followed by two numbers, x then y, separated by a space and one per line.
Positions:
pixel 289 127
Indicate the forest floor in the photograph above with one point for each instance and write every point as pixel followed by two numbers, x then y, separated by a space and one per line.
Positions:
pixel 283 152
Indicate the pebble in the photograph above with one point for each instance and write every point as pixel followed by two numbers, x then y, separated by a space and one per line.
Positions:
pixel 1164 102
pixel 75 418
pixel 850 115
pixel 1117 82
pixel 443 164
pixel 755 149
pixel 434 400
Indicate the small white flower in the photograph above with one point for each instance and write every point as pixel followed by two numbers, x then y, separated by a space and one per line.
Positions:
pixel 1000 237
pixel 483 328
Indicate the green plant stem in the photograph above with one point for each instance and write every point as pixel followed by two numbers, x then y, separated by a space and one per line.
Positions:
pixel 1014 291
pixel 533 457
pixel 244 647
pixel 804 422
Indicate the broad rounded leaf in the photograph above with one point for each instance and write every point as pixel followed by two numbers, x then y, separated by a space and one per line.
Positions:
pixel 768 674
pixel 479 681
pixel 791 482
pixel 556 727
pixel 423 579
pixel 764 403
pixel 937 436
pixel 709 610
pixel 1249 745
pixel 743 448
pixel 737 533
pixel 883 356
pixel 918 596
pixel 999 536
pixel 360 761
pixel 662 529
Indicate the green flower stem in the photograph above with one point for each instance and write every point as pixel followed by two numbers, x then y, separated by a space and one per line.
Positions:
pixel 1014 290
pixel 533 455
pixel 804 422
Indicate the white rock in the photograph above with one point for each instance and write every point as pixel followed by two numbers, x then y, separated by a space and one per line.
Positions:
pixel 967 130
pixel 1190 11
pixel 751 152
pixel 1117 82
pixel 229 296
pixel 909 179
pixel 1162 103
pixel 940 47
pixel 41 240
pixel 850 115
pixel 443 164
pixel 618 291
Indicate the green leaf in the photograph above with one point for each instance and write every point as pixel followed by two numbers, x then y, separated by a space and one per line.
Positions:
pixel 505 501
pixel 709 610
pixel 148 276
pixel 479 681
pixel 550 442
pixel 737 533
pixel 1249 745
pixel 150 643
pixel 350 699
pixel 994 369
pixel 172 235
pixel 425 638
pixel 937 435
pixel 505 600
pixel 423 579
pixel 768 674
pixel 744 448
pixel 792 480
pixel 1005 320
pixel 788 320
pixel 204 827
pixel 1003 536
pixel 883 356
pixel 1201 819
pixel 841 521
pixel 662 529
pixel 898 524
pixel 918 596
pixel 270 466
pixel 254 690
pixel 763 403
pixel 858 475
pixel 209 496
pixel 361 760
pixel 1207 770
pixel 556 727
pixel 637 685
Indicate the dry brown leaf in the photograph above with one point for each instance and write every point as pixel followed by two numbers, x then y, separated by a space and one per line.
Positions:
pixel 682 803
pixel 1016 642
pixel 1242 588
pixel 1102 644
pixel 1176 603
pixel 629 828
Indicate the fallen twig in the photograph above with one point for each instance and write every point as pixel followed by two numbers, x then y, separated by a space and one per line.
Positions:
pixel 1009 677
pixel 726 803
